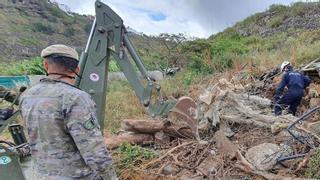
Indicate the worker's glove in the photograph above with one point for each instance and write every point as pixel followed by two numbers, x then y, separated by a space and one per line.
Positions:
pixel 6 113
pixel 274 101
pixel 276 98
pixel 272 104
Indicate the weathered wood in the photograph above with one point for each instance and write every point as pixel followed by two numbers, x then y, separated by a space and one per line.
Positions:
pixel 132 138
pixel 142 126
pixel 175 131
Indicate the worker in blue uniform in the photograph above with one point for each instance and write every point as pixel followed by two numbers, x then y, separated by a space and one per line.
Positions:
pixel 296 83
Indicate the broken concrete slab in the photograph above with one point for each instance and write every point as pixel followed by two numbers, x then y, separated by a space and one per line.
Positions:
pixel 263 156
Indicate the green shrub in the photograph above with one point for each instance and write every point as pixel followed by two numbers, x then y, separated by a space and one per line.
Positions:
pixel 223 62
pixel 276 21
pixel 69 31
pixel 278 8
pixel 26 67
pixel 199 66
pixel 188 78
pixel 87 28
pixel 313 167
pixel 298 9
pixel 196 46
pixel 223 46
pixel 113 67
pixel 39 27
pixel 68 20
pixel 131 153
pixel 29 41
pixel 55 10
pixel 52 19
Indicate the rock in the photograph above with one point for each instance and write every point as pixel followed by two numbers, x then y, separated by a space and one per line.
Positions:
pixel 209 166
pixel 277 127
pixel 191 177
pixel 263 156
pixel 204 125
pixel 206 97
pixel 314 102
pixel 161 138
pixel 224 84
pixel 314 90
pixel 170 170
pixel 209 94
pixel 227 130
pixel 314 127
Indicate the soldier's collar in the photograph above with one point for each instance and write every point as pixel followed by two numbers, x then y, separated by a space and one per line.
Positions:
pixel 48 79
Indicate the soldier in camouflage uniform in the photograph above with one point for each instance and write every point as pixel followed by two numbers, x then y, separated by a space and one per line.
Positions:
pixel 62 125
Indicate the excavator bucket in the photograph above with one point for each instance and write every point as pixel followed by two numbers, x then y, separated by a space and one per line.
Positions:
pixel 185 113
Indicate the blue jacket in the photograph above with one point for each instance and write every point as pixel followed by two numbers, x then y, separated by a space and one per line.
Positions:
pixel 295 82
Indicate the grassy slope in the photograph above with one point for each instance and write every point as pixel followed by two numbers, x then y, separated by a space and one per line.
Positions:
pixel 288 39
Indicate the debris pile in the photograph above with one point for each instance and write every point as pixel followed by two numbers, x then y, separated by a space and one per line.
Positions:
pixel 231 133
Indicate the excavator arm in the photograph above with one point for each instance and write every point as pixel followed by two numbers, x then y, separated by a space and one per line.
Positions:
pixel 108 38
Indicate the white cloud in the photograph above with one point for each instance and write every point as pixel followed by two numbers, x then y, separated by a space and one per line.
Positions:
pixel 199 18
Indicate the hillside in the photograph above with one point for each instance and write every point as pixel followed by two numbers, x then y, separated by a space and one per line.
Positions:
pixel 279 18
pixel 26 26
pixel 262 40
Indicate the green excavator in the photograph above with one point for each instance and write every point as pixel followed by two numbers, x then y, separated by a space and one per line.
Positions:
pixel 108 38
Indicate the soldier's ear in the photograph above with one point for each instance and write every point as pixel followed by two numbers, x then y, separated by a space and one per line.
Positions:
pixel 77 70
pixel 45 65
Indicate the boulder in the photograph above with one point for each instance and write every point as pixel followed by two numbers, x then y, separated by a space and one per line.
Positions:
pixel 263 156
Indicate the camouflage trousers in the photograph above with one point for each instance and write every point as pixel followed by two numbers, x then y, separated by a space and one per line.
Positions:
pixel 31 173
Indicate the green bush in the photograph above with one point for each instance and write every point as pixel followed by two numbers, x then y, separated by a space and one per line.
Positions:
pixel 29 41
pixel 278 8
pixel 128 156
pixel 52 19
pixel 39 27
pixel 132 153
pixel 69 31
pixel 55 10
pixel 223 46
pixel 113 67
pixel 199 66
pixel 26 67
pixel 276 21
pixel 188 78
pixel 298 9
pixel 87 27
pixel 313 167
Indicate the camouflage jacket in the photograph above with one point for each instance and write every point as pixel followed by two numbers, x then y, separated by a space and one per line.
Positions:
pixel 64 133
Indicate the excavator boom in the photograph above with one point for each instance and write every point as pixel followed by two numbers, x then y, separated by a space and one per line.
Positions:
pixel 109 38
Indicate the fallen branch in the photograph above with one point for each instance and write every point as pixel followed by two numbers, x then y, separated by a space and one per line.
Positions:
pixel 309 132
pixel 168 153
pixel 175 131
pixel 305 160
pixel 132 138
pixel 266 175
pixel 142 126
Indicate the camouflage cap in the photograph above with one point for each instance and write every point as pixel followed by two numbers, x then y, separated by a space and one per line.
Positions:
pixel 60 49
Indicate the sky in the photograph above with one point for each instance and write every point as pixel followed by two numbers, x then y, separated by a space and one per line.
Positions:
pixel 194 18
